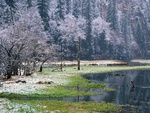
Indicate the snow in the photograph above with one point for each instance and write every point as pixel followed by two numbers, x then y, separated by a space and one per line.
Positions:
pixel 31 86
pixel 8 107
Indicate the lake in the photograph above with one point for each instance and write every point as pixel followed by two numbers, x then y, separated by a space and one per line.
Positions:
pixel 132 89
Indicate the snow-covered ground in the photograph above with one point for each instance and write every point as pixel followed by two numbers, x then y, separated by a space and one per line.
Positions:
pixel 6 106
pixel 31 85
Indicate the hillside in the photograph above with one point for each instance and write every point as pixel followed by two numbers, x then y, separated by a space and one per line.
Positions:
pixel 109 29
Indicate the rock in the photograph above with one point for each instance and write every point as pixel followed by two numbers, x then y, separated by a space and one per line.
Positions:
pixel 39 82
pixel 44 82
pixel 49 82
pixel 21 81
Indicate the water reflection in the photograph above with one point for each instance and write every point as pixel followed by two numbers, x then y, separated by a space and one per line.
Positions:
pixel 132 88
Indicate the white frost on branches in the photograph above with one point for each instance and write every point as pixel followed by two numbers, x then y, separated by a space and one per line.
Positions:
pixel 72 28
pixel 98 26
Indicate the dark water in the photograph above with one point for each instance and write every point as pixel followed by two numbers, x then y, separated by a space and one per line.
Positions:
pixel 132 89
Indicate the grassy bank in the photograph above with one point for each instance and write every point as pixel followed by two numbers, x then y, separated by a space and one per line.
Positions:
pixel 53 106
pixel 70 107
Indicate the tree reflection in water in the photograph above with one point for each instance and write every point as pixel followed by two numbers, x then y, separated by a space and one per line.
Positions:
pixel 132 89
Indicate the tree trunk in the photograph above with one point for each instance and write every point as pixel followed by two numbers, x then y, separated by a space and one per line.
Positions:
pixel 34 66
pixel 9 69
pixel 61 65
pixel 11 14
pixel 78 54
pixel 41 68
pixel 15 70
pixel 8 74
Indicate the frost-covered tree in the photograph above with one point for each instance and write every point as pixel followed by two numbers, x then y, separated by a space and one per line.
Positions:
pixel 100 34
pixel 72 30
pixel 21 49
pixel 23 43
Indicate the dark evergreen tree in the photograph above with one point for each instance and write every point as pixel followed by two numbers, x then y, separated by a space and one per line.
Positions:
pixel 102 42
pixel 10 11
pixel 68 6
pixel 76 8
pixel 58 16
pixel 60 10
pixel 140 36
pixel 3 16
pixel 112 14
pixel 43 7
pixel 10 3
pixel 29 3
pixel 86 12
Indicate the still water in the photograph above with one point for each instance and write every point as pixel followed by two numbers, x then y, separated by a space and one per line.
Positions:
pixel 132 89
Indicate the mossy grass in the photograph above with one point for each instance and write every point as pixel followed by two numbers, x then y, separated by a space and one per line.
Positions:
pixel 70 107
pixel 56 92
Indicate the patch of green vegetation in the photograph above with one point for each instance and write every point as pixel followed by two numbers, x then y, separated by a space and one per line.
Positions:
pixel 57 92
pixel 93 85
pixel 46 106
pixel 65 92
pixel 109 89
pixel 78 81
pixel 62 91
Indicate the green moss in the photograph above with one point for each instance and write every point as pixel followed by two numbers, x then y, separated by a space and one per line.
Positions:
pixel 65 92
pixel 109 89
pixel 58 92
pixel 70 107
